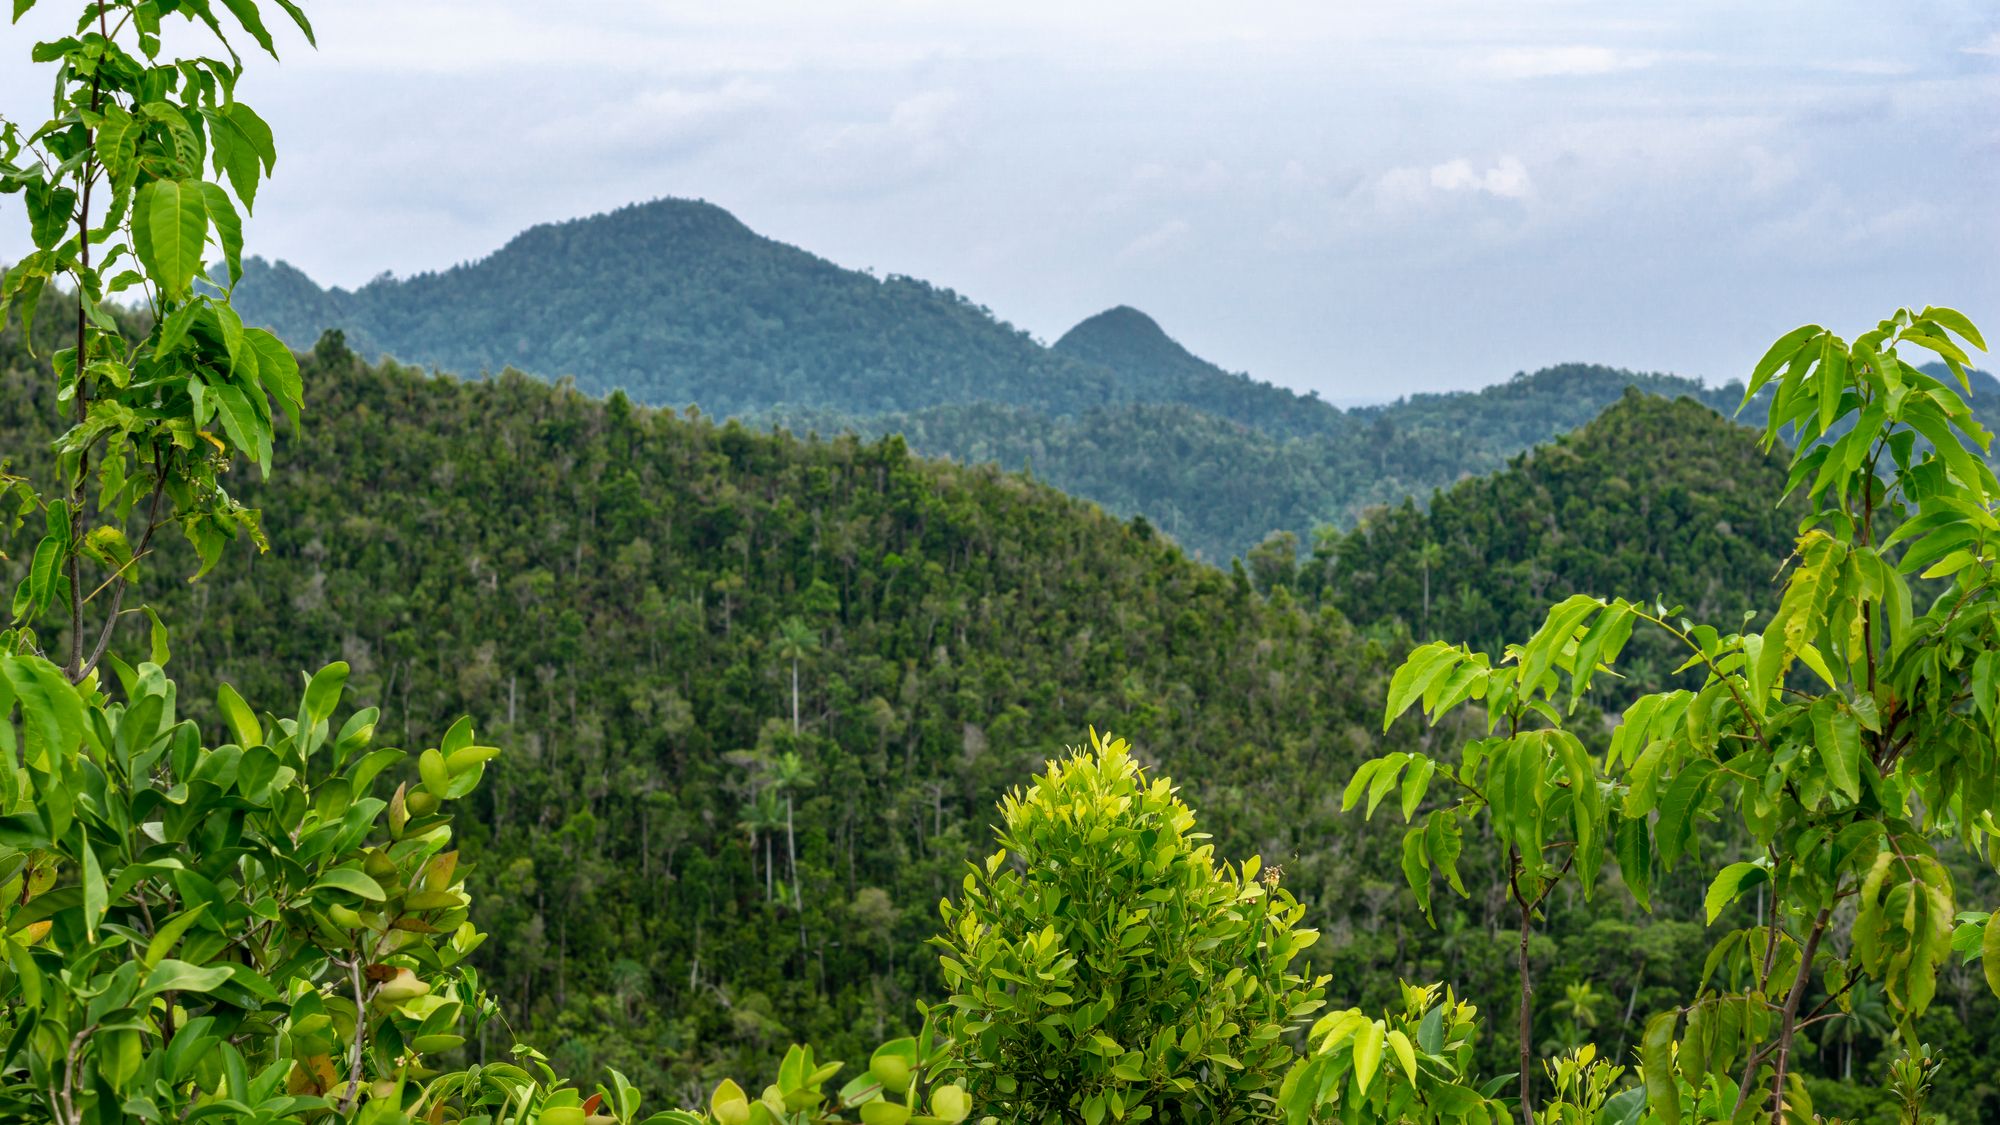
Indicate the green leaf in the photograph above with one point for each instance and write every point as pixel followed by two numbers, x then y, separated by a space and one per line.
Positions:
pixel 298 17
pixel 228 228
pixel 1405 1053
pixel 1957 322
pixel 179 976
pixel 1368 1040
pixel 1989 957
pixel 170 932
pixel 1780 354
pixel 243 724
pixel 1677 809
pixel 51 711
pixel 239 420
pixel 94 898
pixel 247 15
pixel 353 882
pixel 1416 783
pixel 278 369
pixel 1425 666
pixel 1838 736
pixel 1730 885
pixel 169 230
pixel 1656 1055
pixel 1633 846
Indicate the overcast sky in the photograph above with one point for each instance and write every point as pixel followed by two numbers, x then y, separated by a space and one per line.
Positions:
pixel 1364 199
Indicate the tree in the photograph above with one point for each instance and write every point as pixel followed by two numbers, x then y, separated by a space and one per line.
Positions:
pixel 1851 737
pixel 1428 556
pixel 231 933
pixel 1104 962
pixel 795 641
pixel 788 776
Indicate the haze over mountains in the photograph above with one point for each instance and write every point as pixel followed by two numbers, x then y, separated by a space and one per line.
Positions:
pixel 676 302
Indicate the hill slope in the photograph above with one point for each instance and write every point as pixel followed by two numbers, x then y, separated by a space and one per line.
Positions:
pixel 601 587
pixel 1654 498
pixel 1219 487
pixel 677 302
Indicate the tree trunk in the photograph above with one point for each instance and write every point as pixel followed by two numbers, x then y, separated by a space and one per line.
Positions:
pixel 1789 1020
pixel 792 854
pixel 1526 1017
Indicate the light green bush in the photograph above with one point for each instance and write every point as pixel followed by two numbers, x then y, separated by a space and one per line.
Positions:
pixel 1105 963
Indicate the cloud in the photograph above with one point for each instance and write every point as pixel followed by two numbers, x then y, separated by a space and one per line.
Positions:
pixel 663 115
pixel 1507 178
pixel 1157 241
pixel 920 134
pixel 1571 61
pixel 1988 46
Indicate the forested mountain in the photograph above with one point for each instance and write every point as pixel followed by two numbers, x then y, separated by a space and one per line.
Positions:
pixel 678 303
pixel 1153 368
pixel 1218 487
pixel 1655 497
pixel 620 597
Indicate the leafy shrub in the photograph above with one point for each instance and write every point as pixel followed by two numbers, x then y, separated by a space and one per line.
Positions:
pixel 1413 1066
pixel 1104 962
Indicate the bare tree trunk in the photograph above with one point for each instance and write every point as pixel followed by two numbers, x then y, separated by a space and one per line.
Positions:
pixel 1788 1022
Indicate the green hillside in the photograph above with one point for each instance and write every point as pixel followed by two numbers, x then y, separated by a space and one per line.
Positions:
pixel 678 303
pixel 1653 498
pixel 1219 486
pixel 606 590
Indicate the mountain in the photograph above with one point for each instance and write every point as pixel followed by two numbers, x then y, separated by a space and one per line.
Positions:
pixel 1152 368
pixel 677 302
pixel 604 588
pixel 1220 486
pixel 1655 498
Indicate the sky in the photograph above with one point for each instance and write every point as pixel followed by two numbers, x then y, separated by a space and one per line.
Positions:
pixel 1363 199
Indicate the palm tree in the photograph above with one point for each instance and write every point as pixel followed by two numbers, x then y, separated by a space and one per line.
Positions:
pixel 1866 1016
pixel 1429 556
pixel 790 775
pixel 795 641
pixel 760 818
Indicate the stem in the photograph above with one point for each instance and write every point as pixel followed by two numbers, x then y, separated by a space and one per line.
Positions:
pixel 354 1049
pixel 124 578
pixel 88 174
pixel 1788 1022
pixel 1527 1008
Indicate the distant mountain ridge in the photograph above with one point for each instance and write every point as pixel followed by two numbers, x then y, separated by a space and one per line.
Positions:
pixel 677 302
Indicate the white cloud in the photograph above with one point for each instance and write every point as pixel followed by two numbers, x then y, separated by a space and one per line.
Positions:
pixel 1988 46
pixel 662 115
pixel 1157 241
pixel 1507 178
pixel 1567 61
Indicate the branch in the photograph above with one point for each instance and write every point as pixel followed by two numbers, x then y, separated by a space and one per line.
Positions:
pixel 122 578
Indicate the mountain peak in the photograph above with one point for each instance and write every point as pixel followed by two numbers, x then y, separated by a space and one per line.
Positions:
pixel 1119 335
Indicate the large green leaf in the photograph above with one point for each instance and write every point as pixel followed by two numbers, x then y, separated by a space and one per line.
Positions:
pixel 169 229
pixel 179 976
pixel 1730 884
pixel 1656 1056
pixel 353 882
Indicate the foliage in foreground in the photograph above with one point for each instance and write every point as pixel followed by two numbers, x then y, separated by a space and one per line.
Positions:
pixel 1102 961
pixel 1852 739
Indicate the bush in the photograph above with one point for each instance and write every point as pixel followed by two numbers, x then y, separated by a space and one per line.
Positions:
pixel 1103 961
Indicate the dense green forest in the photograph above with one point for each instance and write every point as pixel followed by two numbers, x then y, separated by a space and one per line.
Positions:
pixel 705 734
pixel 1655 497
pixel 1219 487
pixel 711 314
pixel 680 880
